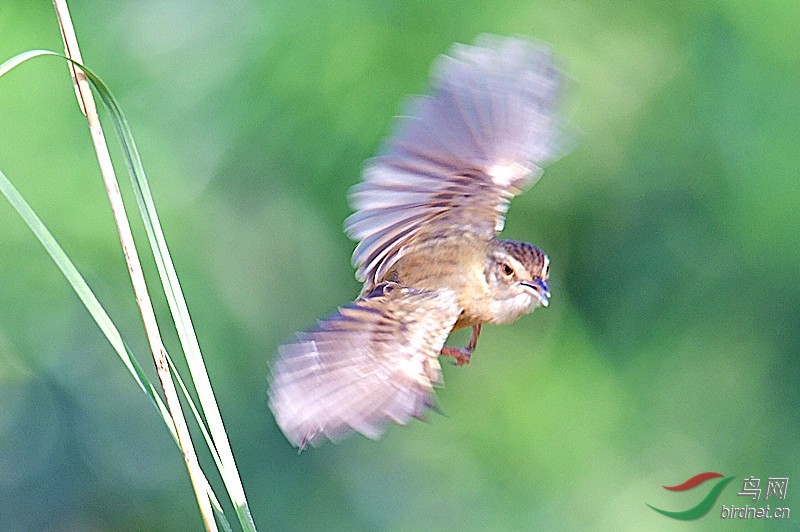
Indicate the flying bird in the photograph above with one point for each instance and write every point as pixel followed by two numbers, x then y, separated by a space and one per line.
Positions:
pixel 427 215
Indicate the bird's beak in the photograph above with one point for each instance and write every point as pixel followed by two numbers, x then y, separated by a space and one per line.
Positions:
pixel 540 289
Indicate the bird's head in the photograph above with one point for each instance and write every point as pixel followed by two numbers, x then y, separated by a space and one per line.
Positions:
pixel 516 273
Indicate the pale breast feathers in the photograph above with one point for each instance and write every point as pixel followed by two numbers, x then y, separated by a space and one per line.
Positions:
pixel 457 157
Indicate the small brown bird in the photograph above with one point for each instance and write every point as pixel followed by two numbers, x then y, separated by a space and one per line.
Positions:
pixel 427 215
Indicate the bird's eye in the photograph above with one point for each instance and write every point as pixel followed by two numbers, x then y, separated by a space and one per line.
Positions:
pixel 508 270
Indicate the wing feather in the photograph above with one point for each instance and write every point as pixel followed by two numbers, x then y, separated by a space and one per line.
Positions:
pixel 458 156
pixel 370 362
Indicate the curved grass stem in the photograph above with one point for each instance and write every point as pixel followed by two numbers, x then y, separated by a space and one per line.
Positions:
pixel 88 107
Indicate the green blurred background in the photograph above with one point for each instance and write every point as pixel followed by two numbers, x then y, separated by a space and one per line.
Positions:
pixel 670 347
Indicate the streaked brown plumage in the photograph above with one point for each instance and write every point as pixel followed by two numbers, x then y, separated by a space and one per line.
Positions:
pixel 427 214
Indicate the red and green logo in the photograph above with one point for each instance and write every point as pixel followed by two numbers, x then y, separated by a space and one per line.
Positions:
pixel 703 506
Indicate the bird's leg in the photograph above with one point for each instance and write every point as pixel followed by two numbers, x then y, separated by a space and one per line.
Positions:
pixel 473 340
pixel 463 354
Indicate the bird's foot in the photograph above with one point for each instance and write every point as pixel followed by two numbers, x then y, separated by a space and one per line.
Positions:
pixel 460 354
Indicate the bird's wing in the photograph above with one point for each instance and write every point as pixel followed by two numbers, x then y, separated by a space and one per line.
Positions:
pixel 372 361
pixel 458 156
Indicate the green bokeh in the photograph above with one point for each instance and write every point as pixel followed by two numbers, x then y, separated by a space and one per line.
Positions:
pixel 670 347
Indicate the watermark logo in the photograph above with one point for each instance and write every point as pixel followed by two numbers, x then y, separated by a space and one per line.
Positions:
pixel 702 508
pixel 774 490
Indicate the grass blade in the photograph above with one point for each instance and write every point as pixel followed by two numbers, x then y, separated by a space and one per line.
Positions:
pixel 101 317
pixel 176 302
pixel 84 293
pixel 169 280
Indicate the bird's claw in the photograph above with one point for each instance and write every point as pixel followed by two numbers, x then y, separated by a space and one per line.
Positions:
pixel 460 354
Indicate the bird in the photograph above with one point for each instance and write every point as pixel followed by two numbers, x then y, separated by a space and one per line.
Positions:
pixel 427 215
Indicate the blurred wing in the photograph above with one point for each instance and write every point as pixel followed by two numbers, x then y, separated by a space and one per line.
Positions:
pixel 372 361
pixel 459 156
